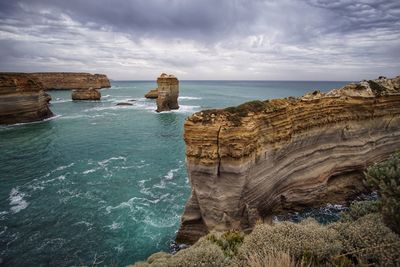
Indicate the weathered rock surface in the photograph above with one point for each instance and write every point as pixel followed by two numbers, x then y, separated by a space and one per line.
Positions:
pixel 88 94
pixel 262 158
pixel 124 104
pixel 152 94
pixel 22 99
pixel 71 80
pixel 168 92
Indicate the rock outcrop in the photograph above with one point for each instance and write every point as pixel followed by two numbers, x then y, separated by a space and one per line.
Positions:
pixel 71 80
pixel 22 99
pixel 152 94
pixel 168 92
pixel 88 94
pixel 262 158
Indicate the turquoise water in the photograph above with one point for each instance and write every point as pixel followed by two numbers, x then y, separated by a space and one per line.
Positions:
pixel 106 184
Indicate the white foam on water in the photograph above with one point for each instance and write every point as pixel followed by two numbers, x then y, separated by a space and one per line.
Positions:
pixel 17 201
pixel 64 167
pixel 170 174
pixel 87 224
pixel 115 226
pixel 59 101
pixel 11 126
pixel 189 98
pixel 90 170
pixel 119 248
pixel 105 162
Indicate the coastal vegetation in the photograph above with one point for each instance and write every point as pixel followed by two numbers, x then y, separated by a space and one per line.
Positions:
pixel 366 235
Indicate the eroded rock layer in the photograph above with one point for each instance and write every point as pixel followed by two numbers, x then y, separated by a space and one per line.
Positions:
pixel 71 80
pixel 167 92
pixel 262 158
pixel 22 99
pixel 88 94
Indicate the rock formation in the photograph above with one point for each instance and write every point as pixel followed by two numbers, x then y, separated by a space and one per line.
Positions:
pixel 71 80
pixel 22 99
pixel 262 158
pixel 88 94
pixel 152 94
pixel 168 92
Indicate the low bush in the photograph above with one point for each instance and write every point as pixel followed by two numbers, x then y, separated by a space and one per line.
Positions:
pixel 307 241
pixel 367 241
pixel 385 177
pixel 359 209
pixel 228 241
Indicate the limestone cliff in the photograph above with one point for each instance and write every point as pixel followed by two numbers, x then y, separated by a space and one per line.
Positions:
pixel 262 158
pixel 168 92
pixel 71 80
pixel 22 99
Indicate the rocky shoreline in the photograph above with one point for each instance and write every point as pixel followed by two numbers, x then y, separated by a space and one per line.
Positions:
pixel 23 97
pixel 263 158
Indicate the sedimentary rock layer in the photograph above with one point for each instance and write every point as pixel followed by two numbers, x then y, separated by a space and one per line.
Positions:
pixel 262 158
pixel 88 94
pixel 71 80
pixel 168 92
pixel 22 99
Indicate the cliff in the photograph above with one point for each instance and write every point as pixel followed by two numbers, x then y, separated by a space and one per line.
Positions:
pixel 71 80
pixel 262 158
pixel 168 92
pixel 22 99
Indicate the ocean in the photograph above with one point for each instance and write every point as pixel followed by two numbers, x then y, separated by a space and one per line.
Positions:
pixel 106 184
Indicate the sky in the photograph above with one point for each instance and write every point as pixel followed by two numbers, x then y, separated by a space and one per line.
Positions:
pixel 203 39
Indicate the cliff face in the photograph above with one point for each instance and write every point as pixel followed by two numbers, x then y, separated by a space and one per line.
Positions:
pixel 22 99
pixel 261 158
pixel 168 92
pixel 71 80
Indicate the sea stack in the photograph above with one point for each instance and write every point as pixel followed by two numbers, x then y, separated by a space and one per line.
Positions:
pixel 88 94
pixel 22 99
pixel 168 92
pixel 264 158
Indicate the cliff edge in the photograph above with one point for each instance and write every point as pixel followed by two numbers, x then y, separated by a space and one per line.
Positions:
pixel 22 99
pixel 262 158
pixel 71 80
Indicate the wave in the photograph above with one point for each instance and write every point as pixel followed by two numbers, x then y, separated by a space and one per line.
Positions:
pixel 17 201
pixel 60 101
pixel 189 98
pixel 11 126
pixel 170 174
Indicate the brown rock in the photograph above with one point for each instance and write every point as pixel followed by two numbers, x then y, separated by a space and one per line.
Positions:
pixel 22 99
pixel 152 94
pixel 168 92
pixel 264 158
pixel 71 80
pixel 89 94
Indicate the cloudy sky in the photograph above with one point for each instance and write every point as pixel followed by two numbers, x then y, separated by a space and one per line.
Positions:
pixel 203 39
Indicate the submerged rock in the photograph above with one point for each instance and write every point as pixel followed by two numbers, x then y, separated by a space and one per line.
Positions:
pixel 22 99
pixel 89 94
pixel 265 158
pixel 124 104
pixel 168 92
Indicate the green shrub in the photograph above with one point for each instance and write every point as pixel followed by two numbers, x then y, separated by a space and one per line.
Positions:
pixel 307 241
pixel 385 177
pixel 359 209
pixel 204 253
pixel 368 241
pixel 228 241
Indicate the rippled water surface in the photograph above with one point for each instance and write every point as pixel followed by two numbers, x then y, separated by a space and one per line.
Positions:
pixel 106 184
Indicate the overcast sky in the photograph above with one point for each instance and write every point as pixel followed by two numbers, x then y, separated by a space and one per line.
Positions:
pixel 203 39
